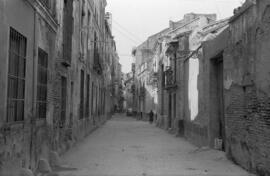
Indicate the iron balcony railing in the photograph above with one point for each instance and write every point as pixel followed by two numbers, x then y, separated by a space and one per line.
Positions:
pixel 170 81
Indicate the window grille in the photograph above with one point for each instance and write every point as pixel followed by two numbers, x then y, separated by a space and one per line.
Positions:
pixel 16 76
pixel 42 84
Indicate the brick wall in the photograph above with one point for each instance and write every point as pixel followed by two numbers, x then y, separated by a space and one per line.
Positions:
pixel 247 95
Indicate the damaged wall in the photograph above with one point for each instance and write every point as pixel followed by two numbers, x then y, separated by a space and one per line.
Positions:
pixel 247 102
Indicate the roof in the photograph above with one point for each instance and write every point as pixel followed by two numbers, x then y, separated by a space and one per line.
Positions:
pixel 214 27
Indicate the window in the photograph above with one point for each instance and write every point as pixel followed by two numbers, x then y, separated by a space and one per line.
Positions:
pixel 16 76
pixel 88 31
pixel 42 83
pixel 63 100
pixel 82 95
pixel 68 25
pixel 87 96
pixel 82 25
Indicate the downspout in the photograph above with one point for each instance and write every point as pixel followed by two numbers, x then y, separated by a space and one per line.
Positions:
pixel 32 118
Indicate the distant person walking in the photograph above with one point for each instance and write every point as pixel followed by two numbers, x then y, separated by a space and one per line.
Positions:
pixel 151 116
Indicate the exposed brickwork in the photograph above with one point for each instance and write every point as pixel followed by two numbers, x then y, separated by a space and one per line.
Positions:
pixel 247 102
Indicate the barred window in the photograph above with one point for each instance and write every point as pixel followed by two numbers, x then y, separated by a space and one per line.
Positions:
pixel 16 76
pixel 42 84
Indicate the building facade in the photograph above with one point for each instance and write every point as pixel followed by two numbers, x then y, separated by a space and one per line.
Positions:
pixel 213 82
pixel 56 77
pixel 246 87
pixel 178 95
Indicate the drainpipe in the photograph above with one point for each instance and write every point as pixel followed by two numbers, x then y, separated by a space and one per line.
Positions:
pixel 32 118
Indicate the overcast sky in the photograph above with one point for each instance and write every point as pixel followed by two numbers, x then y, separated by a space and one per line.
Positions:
pixel 135 20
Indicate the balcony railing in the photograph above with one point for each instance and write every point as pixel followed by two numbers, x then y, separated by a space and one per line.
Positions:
pixel 153 79
pixel 170 81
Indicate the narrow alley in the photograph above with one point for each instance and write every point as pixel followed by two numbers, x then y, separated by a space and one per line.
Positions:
pixel 125 146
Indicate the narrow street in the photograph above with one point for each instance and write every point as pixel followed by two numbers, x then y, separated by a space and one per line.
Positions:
pixel 125 146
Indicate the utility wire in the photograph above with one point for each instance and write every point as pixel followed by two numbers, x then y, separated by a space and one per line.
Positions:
pixel 125 33
pixel 125 29
pixel 127 36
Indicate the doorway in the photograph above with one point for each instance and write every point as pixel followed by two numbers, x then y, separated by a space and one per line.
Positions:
pixel 217 121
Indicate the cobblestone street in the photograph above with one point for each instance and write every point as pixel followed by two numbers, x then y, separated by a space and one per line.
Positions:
pixel 125 146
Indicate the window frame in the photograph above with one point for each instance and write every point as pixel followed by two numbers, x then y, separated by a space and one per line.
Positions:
pixel 14 95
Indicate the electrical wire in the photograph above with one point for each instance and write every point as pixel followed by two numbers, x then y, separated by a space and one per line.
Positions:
pixel 125 29
pixel 127 36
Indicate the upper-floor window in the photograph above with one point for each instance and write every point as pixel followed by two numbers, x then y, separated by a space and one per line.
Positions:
pixel 16 76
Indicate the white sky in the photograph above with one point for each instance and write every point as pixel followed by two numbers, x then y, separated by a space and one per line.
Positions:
pixel 135 20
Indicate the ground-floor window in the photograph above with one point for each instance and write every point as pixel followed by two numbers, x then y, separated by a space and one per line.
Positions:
pixel 16 76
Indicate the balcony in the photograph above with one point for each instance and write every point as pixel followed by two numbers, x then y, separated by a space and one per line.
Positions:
pixel 170 81
pixel 153 79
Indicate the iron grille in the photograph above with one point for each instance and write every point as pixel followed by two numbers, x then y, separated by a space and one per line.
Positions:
pixel 16 76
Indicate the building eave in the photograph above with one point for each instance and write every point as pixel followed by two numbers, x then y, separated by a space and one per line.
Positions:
pixel 241 10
